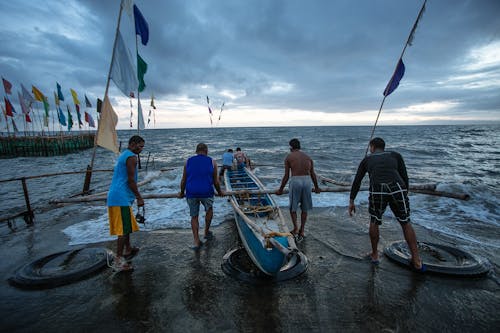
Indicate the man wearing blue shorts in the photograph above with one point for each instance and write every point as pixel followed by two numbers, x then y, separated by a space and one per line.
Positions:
pixel 198 181
pixel 388 186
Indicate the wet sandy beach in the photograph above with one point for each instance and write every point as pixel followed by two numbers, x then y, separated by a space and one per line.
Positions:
pixel 174 289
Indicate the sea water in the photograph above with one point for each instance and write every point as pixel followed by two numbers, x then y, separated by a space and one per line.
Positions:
pixel 458 159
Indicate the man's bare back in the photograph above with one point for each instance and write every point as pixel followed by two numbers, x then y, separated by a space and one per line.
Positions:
pixel 299 163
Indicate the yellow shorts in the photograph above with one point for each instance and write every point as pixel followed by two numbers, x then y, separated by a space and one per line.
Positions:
pixel 121 220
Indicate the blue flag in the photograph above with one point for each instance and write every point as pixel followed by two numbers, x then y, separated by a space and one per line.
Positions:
pixel 141 26
pixel 396 77
pixel 60 115
pixel 59 92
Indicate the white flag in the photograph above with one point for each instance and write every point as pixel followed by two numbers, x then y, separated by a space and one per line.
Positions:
pixel 106 135
pixel 123 72
pixel 27 96
pixel 140 117
pixel 23 103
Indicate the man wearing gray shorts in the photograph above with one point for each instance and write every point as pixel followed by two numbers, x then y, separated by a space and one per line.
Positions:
pixel 301 181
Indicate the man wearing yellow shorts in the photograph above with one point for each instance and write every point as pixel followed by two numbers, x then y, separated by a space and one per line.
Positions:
pixel 122 193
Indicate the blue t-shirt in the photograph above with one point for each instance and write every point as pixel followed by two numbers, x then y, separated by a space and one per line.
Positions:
pixel 120 193
pixel 227 158
pixel 199 177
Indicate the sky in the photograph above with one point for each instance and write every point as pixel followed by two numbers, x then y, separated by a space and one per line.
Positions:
pixel 271 62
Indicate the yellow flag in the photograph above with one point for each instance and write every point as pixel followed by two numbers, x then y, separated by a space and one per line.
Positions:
pixel 106 134
pixel 38 94
pixel 75 97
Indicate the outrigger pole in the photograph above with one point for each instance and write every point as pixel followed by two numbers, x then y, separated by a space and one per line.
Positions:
pixel 398 73
pixel 88 175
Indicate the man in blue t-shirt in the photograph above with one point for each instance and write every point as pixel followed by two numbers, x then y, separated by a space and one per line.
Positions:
pixel 227 161
pixel 198 181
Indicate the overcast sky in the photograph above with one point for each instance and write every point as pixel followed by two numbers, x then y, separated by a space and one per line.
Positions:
pixel 272 62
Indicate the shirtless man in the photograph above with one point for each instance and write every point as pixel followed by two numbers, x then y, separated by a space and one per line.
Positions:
pixel 302 169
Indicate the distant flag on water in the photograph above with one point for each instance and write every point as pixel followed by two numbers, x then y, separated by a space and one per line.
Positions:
pixel 14 125
pixel 56 99
pixel 140 116
pixel 106 136
pixel 28 118
pixel 46 115
pixel 87 102
pixel 153 102
pixel 7 86
pixel 141 26
pixel 396 77
pixel 89 119
pixel 412 33
pixel 75 97
pixel 70 119
pixel 60 116
pixel 59 92
pixel 142 68
pixel 122 71
pixel 24 108
pixel 38 94
pixel 79 115
pixel 26 95
pixel 9 108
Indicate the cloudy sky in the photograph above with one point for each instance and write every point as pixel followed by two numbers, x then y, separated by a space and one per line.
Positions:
pixel 272 62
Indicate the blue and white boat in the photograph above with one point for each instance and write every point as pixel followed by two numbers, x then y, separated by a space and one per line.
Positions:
pixel 260 223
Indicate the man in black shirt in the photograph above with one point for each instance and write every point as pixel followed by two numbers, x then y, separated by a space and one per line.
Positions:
pixel 388 185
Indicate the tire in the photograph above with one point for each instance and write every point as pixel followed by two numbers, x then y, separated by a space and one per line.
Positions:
pixel 440 259
pixel 76 265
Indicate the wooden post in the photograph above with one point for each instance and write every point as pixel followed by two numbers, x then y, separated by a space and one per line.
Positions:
pixel 29 213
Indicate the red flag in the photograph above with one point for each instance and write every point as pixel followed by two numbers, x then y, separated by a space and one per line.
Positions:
pixel 7 86
pixel 8 108
pixel 28 119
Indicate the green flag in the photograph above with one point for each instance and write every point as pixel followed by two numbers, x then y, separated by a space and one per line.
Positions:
pixel 70 119
pixel 142 68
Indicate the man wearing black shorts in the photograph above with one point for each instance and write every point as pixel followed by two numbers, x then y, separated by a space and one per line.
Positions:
pixel 388 185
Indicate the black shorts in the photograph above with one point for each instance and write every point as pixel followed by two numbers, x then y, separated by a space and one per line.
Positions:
pixel 393 194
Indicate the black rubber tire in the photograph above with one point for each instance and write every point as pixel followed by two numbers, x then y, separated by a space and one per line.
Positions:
pixel 465 264
pixel 32 275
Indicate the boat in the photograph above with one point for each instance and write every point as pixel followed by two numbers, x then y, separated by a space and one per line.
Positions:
pixel 261 225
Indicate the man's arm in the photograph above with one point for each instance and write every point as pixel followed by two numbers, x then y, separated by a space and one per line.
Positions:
pixel 183 183
pixel 402 170
pixel 132 184
pixel 314 179
pixel 215 176
pixel 285 177
pixel 356 184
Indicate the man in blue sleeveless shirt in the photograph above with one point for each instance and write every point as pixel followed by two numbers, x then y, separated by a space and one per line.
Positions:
pixel 121 195
pixel 227 161
pixel 198 181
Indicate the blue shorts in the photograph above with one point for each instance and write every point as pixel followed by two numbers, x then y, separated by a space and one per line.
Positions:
pixel 194 205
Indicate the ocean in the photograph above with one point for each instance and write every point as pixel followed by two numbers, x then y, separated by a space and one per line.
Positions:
pixel 458 159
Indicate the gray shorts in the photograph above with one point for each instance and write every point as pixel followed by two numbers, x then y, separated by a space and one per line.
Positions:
pixel 194 205
pixel 300 193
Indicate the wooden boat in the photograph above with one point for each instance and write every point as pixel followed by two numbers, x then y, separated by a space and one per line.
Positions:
pixel 260 224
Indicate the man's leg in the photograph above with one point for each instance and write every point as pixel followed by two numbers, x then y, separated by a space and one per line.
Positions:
pixel 208 219
pixel 194 228
pixel 411 240
pixel 303 219
pixel 120 244
pixel 126 246
pixel 374 237
pixel 295 230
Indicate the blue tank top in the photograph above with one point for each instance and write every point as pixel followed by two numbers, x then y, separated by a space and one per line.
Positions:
pixel 227 158
pixel 199 177
pixel 120 193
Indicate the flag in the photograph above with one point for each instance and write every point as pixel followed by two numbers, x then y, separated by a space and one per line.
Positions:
pixel 61 117
pixel 396 77
pixel 75 97
pixel 106 136
pixel 152 102
pixel 141 26
pixel 208 101
pixel 89 119
pixel 14 125
pixel 26 95
pixel 140 116
pixel 122 71
pixel 70 119
pixel 56 99
pixel 127 7
pixel 78 114
pixel 99 105
pixel 24 108
pixel 142 68
pixel 46 115
pixel 27 117
pixel 209 110
pixel 7 86
pixel 412 33
pixel 59 92
pixel 87 102
pixel 9 108
pixel 38 94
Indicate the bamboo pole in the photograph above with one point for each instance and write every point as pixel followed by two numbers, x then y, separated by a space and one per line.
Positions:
pixel 427 187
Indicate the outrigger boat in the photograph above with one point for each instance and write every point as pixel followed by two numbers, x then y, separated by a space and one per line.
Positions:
pixel 261 225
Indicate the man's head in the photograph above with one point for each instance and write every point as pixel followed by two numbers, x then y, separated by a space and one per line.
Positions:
pixel 294 144
pixel 238 149
pixel 136 144
pixel 229 150
pixel 202 148
pixel 377 144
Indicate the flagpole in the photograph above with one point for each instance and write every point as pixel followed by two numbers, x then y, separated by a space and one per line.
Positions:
pixel 88 175
pixel 408 42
